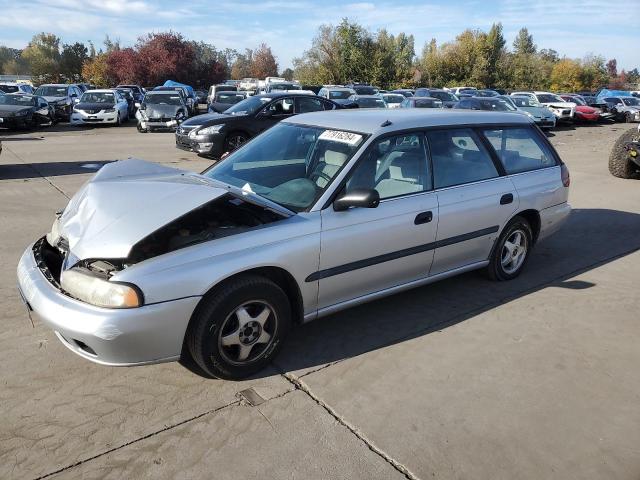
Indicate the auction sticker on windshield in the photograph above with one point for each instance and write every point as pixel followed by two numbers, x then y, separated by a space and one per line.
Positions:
pixel 342 137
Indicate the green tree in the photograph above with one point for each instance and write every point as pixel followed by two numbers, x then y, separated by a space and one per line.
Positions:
pixel 241 67
pixel 523 44
pixel 287 74
pixel 71 60
pixel 566 76
pixel 43 56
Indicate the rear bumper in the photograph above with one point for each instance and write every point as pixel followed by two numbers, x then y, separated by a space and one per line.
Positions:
pixel 552 218
pixel 118 337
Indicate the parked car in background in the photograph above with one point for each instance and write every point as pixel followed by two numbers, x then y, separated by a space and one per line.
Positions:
pixel 583 113
pixel 163 109
pixel 187 96
pixel 421 102
pixel 201 97
pixel 541 115
pixel 282 87
pixel 13 87
pixel 337 94
pixel 99 107
pixel 486 93
pixel 214 134
pixel 223 100
pixel 564 111
pixel 368 101
pixel 393 100
pixel 458 90
pixel 624 109
pixel 131 101
pixel 215 268
pixel 25 111
pixel 248 84
pixel 136 90
pixel 363 89
pixel 407 92
pixel 491 104
pixel 448 99
pixel 61 97
pixel 312 88
pixel 213 89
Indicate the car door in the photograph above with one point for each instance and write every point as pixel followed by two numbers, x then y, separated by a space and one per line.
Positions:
pixel 475 200
pixel 272 113
pixel 308 104
pixel 367 250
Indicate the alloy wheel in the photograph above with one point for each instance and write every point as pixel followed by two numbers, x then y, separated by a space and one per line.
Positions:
pixel 247 332
pixel 514 252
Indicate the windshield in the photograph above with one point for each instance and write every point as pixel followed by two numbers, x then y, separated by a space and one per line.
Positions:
pixel 427 103
pixel 631 101
pixel 97 97
pixel 340 94
pixel 548 98
pixel 9 88
pixel 162 99
pixel 370 103
pixel 444 96
pixel 248 106
pixel 229 98
pixel 495 104
pixel 365 90
pixel 393 98
pixel 284 86
pixel 524 102
pixel 51 91
pixel 17 100
pixel 291 165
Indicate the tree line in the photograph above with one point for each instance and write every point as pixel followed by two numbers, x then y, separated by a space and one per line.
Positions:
pixel 349 52
pixel 338 54
pixel 154 58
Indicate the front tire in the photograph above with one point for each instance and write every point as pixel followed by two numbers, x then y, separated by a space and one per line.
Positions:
pixel 238 329
pixel 511 251
pixel 140 129
pixel 234 140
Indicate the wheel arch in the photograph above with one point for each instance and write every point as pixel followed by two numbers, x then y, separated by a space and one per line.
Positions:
pixel 533 217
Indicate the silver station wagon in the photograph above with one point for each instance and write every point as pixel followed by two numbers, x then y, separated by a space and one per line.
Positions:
pixel 325 210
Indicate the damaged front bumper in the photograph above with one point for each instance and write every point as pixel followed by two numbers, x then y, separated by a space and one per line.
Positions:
pixel 152 333
pixel 210 145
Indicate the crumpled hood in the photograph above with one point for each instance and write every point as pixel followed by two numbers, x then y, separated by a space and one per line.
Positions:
pixel 94 106
pixel 160 111
pixel 54 99
pixel 123 203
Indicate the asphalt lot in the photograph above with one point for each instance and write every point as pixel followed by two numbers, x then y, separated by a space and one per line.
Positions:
pixel 531 379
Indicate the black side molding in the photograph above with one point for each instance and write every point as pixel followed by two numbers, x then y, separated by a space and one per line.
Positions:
pixel 387 257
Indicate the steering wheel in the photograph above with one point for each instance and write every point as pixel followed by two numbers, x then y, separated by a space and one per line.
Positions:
pixel 317 175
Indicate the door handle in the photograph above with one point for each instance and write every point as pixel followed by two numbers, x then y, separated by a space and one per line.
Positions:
pixel 424 217
pixel 506 199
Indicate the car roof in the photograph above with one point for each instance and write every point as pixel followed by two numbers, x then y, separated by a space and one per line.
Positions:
pixel 163 92
pixel 57 84
pixel 101 90
pixel 369 121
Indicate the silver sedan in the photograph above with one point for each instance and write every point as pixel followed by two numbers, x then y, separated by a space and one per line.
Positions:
pixel 325 210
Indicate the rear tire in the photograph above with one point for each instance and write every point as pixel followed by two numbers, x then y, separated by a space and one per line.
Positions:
pixel 238 328
pixel 511 251
pixel 619 163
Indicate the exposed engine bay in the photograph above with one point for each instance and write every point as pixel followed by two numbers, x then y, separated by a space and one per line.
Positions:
pixel 224 216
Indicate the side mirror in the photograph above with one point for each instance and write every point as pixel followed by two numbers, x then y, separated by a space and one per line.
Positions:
pixel 358 197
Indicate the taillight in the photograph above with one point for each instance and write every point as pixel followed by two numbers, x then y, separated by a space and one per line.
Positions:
pixel 564 174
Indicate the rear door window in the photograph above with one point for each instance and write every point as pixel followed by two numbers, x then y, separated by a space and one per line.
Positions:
pixel 459 157
pixel 520 149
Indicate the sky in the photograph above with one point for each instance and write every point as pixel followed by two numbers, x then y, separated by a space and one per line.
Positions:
pixel 573 28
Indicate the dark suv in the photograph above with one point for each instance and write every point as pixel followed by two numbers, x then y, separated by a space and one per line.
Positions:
pixel 213 134
pixel 448 99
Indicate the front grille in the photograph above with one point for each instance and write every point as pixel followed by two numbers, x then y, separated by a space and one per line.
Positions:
pixel 161 119
pixel 566 112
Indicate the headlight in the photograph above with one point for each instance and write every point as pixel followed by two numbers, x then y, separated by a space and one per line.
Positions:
pixel 85 286
pixel 109 110
pixel 209 130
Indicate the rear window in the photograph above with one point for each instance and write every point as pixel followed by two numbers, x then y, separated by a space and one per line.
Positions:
pixel 520 149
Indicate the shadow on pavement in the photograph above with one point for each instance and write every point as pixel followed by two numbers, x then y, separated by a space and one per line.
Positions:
pixel 52 169
pixel 589 239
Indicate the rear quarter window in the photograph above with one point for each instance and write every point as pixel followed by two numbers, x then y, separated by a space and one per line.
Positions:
pixel 520 149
